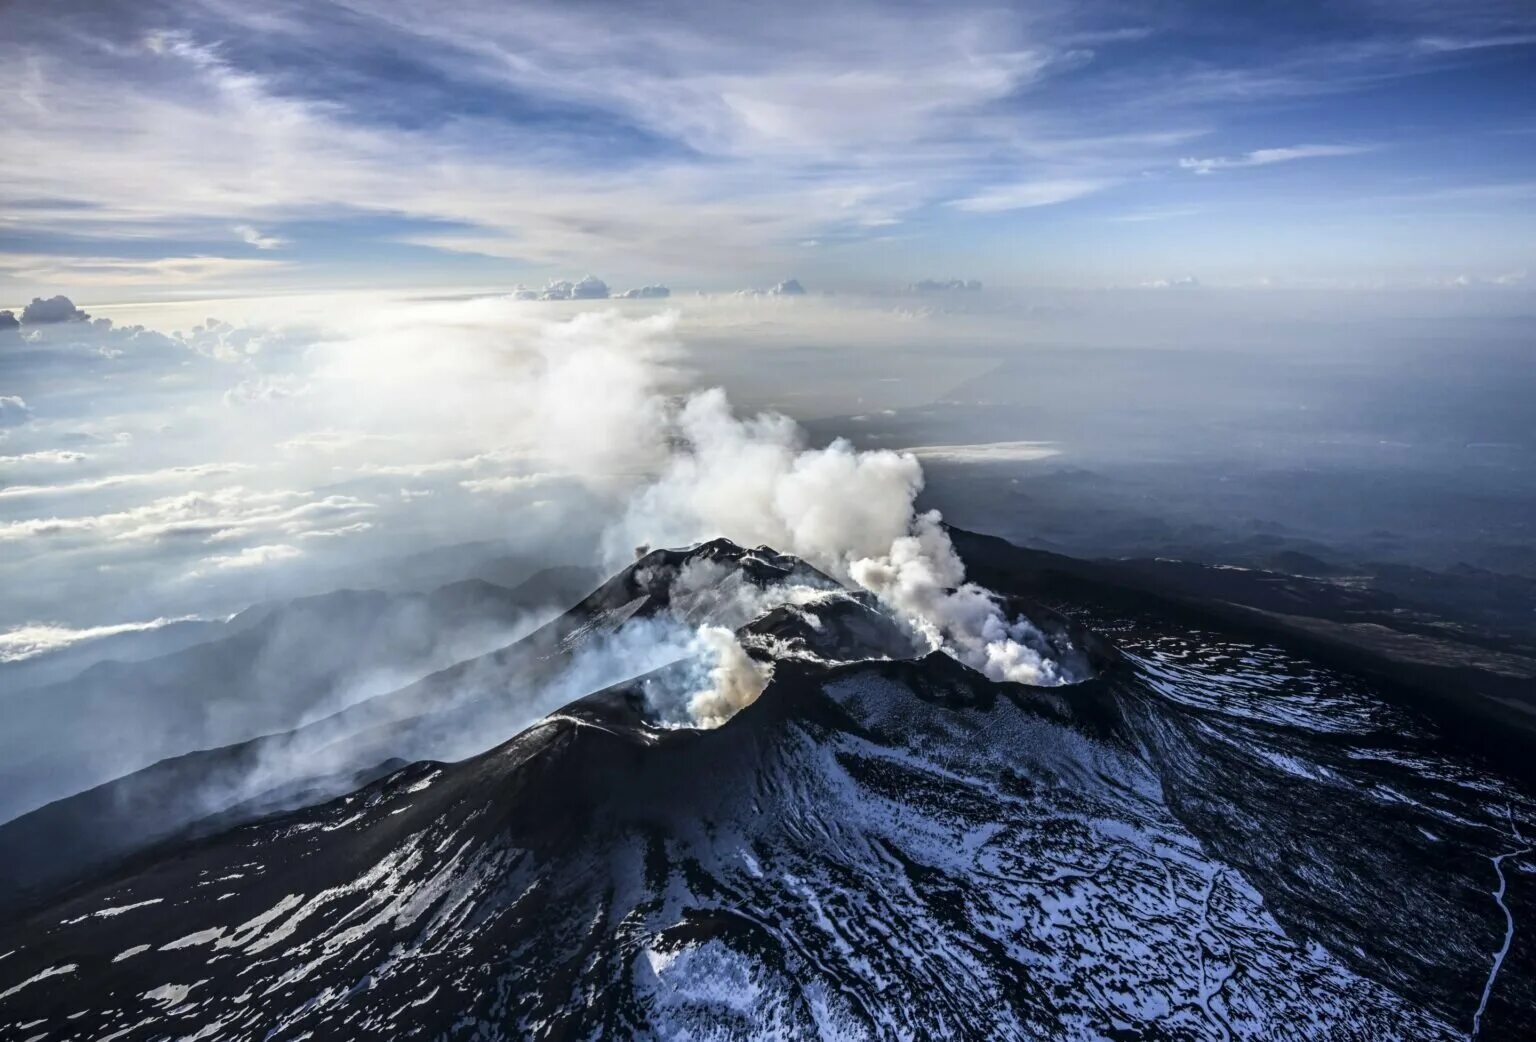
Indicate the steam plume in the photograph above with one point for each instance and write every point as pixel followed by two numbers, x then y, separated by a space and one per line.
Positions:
pixel 847 512
pixel 733 679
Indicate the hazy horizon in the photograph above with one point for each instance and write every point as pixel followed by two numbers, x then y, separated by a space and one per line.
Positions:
pixel 197 465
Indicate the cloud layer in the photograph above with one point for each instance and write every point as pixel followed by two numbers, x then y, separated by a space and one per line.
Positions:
pixel 710 148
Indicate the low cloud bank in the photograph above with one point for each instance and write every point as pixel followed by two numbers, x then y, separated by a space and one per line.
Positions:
pixel 54 309
pixel 646 293
pixel 588 288
pixel 787 288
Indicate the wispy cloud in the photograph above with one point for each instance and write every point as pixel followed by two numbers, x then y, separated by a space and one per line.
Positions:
pixel 709 146
pixel 167 474
pixel 505 483
pixel 248 557
pixel 1028 194
pixel 44 457
pixel 1270 156
pixel 1168 213
pixel 688 146
pixel 1502 279
pixel 1451 44
pixel 1495 193
pixel 439 466
pixel 217 516
pixel 38 638
pixel 254 237
pixel 986 452
pixel 839 131
pixel 52 269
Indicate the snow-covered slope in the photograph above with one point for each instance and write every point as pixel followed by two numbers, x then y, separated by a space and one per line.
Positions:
pixel 634 622
pixel 1209 839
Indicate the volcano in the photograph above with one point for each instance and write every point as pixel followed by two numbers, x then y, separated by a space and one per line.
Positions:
pixel 1215 832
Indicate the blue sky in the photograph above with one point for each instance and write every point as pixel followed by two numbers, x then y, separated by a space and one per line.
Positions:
pixel 162 151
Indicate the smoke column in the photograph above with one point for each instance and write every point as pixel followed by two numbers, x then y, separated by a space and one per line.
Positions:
pixel 847 512
pixel 601 399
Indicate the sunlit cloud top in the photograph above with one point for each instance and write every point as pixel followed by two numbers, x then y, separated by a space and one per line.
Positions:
pixel 196 148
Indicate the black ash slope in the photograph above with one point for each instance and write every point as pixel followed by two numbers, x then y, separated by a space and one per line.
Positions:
pixel 452 713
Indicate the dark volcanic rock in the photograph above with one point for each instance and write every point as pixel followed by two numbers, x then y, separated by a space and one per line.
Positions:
pixel 1216 837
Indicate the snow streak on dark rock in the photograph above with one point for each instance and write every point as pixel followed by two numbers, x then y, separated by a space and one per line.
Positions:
pixel 1211 839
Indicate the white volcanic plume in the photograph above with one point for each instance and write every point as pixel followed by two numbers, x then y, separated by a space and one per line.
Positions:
pixel 735 678
pixel 592 411
pixel 847 512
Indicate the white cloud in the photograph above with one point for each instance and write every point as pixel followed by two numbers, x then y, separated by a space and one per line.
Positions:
pixel 249 557
pixel 265 389
pixel 439 466
pixel 1029 194
pixel 727 140
pixel 253 237
pixel 340 530
pixel 44 456
pixel 215 516
pixel 118 271
pixel 589 287
pixel 787 288
pixel 37 638
pixel 55 309
pixel 153 477
pixel 332 441
pixel 985 452
pixel 1451 44
pixel 1503 279
pixel 823 125
pixel 505 483
pixel 811 85
pixel 226 144
pixel 1270 156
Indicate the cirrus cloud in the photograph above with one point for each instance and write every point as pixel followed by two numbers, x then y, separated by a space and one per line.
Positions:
pixel 1029 194
pixel 1270 156
pixel 246 558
